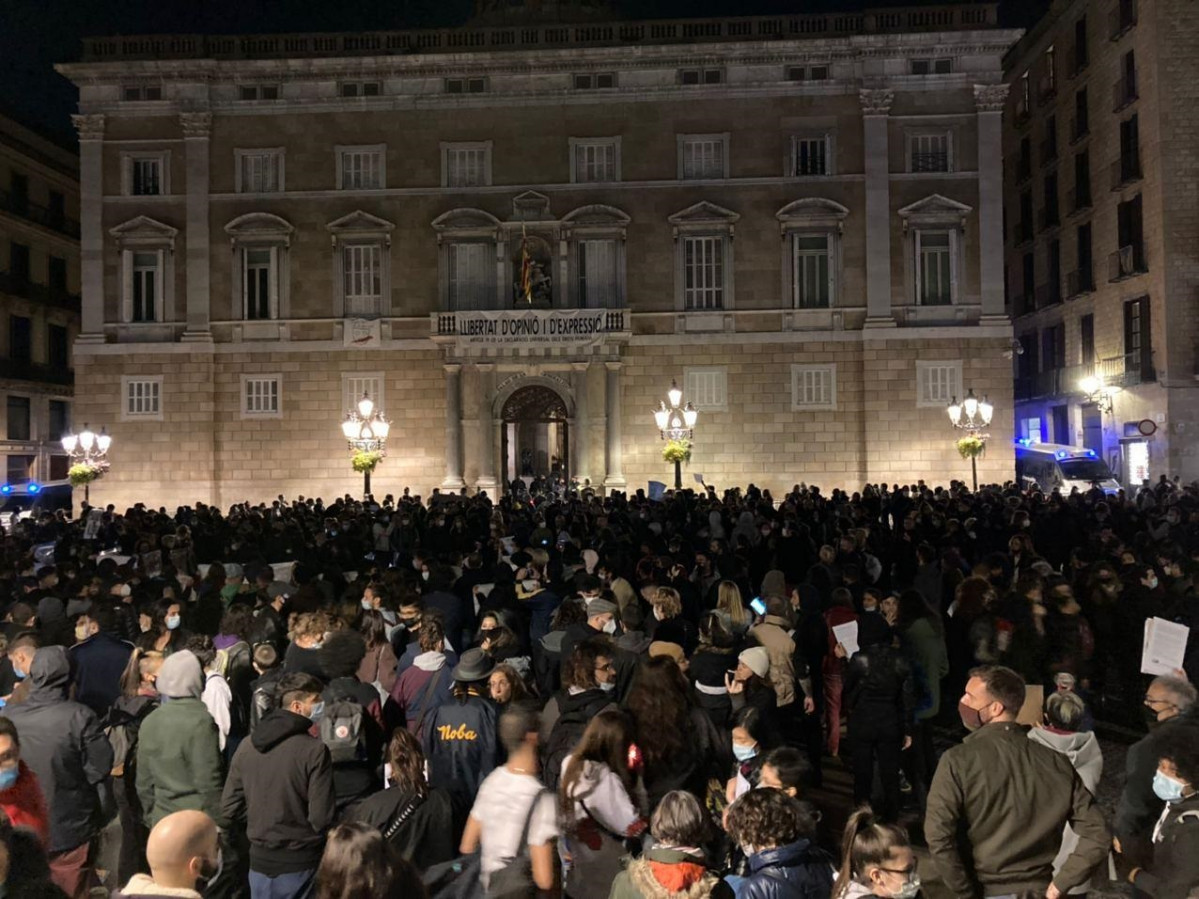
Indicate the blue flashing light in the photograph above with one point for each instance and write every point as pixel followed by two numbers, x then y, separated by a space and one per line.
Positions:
pixel 6 489
pixel 34 487
pixel 1024 441
pixel 1092 454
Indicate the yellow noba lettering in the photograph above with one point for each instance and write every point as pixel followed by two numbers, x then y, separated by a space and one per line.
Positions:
pixel 456 733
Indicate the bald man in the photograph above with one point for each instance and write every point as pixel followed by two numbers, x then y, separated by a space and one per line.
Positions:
pixel 183 848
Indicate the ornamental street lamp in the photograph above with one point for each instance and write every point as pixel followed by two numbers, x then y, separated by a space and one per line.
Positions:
pixel 366 431
pixel 676 424
pixel 1099 392
pixel 971 415
pixel 88 452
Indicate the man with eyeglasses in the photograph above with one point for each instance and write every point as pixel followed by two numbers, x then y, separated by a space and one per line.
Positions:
pixel 1168 702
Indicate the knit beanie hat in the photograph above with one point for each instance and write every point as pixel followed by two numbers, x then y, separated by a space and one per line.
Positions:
pixel 756 659
pixel 180 676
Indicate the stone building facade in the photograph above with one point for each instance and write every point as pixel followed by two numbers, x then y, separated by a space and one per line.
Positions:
pixel 1102 200
pixel 515 237
pixel 39 300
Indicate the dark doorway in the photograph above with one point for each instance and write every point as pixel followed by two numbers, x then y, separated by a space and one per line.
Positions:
pixel 535 435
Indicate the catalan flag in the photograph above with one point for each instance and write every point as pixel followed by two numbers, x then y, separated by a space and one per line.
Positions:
pixel 526 268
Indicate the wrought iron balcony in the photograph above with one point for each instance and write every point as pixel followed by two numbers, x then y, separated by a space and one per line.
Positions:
pixel 41 293
pixel 930 162
pixel 1126 262
pixel 25 370
pixel 1079 282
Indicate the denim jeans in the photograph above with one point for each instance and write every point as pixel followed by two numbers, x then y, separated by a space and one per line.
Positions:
pixel 298 885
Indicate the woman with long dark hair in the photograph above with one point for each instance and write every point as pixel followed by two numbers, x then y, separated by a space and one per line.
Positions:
pixel 602 804
pixel 421 824
pixel 359 864
pixel 679 745
pixel 379 665
pixel 715 658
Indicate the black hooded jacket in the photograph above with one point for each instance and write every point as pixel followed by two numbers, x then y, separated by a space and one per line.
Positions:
pixel 281 784
pixel 63 743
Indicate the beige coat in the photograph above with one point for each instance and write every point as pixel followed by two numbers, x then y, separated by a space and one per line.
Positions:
pixel 772 635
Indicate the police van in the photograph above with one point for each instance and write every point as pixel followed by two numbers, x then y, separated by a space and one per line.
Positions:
pixel 1055 466
pixel 21 501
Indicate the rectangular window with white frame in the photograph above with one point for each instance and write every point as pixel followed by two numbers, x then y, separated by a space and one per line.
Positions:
pixel 811 155
pixel 1032 430
pixel 259 171
pixel 260 396
pixel 598 268
pixel 260 283
pixel 362 278
pixel 141 397
pixel 813 267
pixel 937 383
pixel 466 164
pixel 472 272
pixel 595 160
pixel 145 174
pixel 703 272
pixel 703 156
pixel 936 267
pixel 930 151
pixel 813 388
pixel 361 168
pixel 707 388
pixel 355 386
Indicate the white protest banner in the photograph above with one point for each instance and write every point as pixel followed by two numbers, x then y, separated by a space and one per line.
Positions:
pixel 533 327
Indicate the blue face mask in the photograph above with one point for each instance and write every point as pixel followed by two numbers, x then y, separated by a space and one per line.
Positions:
pixel 172 622
pixel 18 672
pixel 1167 788
pixel 8 777
pixel 744 753
pixel 318 712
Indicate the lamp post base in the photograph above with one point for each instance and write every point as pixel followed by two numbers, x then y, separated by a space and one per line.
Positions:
pixel 366 484
pixel 678 475
pixel 974 471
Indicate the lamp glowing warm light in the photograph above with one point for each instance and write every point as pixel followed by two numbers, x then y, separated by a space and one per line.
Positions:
pixel 954 410
pixel 365 406
pixel 87 439
pixel 662 416
pixel 103 441
pixel 1090 384
pixel 690 414
pixel 970 404
pixel 382 428
pixel 349 428
pixel 674 394
pixel 69 443
pixel 985 410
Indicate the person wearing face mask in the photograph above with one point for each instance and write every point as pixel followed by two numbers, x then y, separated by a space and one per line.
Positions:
pixel 98 659
pixel 20 655
pixel 778 836
pixel 876 860
pixel 20 794
pixel 1169 704
pixel 280 785
pixel 601 619
pixel 184 853
pixel 65 746
pixel 588 687
pixel 1174 870
pixel 981 790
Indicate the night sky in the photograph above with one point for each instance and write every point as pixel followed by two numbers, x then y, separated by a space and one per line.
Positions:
pixel 35 34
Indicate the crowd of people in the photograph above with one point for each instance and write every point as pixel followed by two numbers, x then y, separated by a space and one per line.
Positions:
pixel 607 697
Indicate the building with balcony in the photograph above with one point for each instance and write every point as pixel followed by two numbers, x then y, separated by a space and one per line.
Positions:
pixel 1104 283
pixel 515 234
pixel 39 300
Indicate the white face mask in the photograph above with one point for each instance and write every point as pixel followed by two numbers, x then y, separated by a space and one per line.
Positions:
pixel 424 575
pixel 610 626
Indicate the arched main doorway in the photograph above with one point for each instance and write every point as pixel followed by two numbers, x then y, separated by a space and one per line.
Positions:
pixel 535 438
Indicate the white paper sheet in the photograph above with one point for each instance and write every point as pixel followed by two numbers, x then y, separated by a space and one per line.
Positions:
pixel 1164 646
pixel 847 635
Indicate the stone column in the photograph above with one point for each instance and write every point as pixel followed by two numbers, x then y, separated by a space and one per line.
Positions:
pixel 580 439
pixel 453 428
pixel 876 105
pixel 197 128
pixel 989 99
pixel 487 434
pixel 615 476
pixel 91 224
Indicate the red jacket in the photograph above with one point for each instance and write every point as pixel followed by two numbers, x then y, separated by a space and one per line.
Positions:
pixel 25 806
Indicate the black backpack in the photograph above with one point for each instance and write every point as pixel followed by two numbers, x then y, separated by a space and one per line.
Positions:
pixel 343 730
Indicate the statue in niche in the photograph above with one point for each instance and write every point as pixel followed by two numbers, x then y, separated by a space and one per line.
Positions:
pixel 532 286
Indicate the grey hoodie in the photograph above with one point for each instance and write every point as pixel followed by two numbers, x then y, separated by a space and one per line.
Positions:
pixel 180 676
pixel 1082 749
